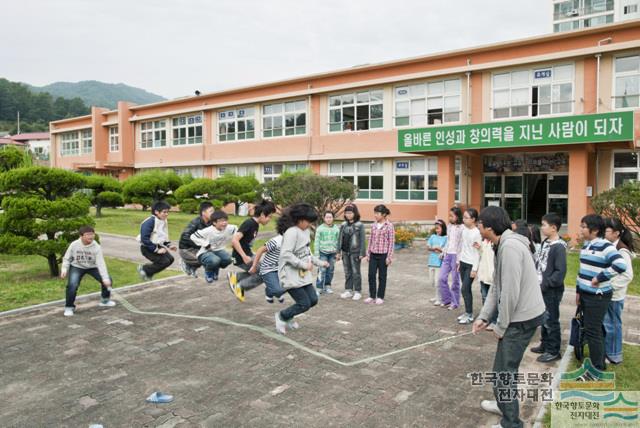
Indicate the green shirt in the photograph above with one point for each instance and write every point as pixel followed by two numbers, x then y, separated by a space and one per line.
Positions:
pixel 326 239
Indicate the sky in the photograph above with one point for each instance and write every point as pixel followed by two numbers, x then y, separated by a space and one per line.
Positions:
pixel 173 48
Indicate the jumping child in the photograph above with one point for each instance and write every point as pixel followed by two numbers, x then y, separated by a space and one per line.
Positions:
pixel 212 241
pixel 154 241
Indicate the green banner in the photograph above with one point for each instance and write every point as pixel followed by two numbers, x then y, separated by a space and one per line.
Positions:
pixel 588 128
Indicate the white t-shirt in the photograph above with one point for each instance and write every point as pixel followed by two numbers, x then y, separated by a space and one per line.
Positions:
pixel 468 253
pixel 213 238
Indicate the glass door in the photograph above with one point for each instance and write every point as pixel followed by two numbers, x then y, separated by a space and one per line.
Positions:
pixel 504 191
pixel 558 191
pixel 535 197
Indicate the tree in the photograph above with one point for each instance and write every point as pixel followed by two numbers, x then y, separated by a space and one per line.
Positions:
pixel 322 192
pixel 623 203
pixel 198 190
pixel 233 189
pixel 149 187
pixel 10 158
pixel 105 192
pixel 42 212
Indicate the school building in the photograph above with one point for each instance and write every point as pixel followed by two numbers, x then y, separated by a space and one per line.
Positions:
pixel 533 125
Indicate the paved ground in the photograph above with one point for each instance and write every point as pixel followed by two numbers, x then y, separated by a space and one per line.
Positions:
pixel 100 365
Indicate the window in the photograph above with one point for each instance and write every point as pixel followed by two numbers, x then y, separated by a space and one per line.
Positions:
pixel 431 103
pixel 627 76
pixel 153 134
pixel 114 144
pixel 236 124
pixel 367 175
pixel 239 170
pixel 626 167
pixel 187 130
pixel 416 179
pixel 537 92
pixel 629 9
pixel 273 171
pixel 355 111
pixel 193 171
pixel 70 145
pixel 288 119
pixel 87 141
pixel 458 167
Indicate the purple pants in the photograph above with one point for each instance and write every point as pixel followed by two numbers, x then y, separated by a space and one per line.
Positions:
pixel 450 296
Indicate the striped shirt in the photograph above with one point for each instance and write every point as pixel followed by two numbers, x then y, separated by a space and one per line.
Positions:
pixel 269 261
pixel 599 259
pixel 382 239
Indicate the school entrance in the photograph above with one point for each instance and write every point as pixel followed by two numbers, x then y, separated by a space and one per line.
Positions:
pixel 527 185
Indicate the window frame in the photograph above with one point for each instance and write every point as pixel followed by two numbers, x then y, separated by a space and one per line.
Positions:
pixel 155 128
pixel 187 126
pixel 86 142
pixel 626 169
pixel 114 139
pixel 356 173
pixel 354 94
pixel 272 176
pixel 443 96
pixel 614 86
pixel 426 174
pixel 236 170
pixel 235 119
pixel 282 115
pixel 70 151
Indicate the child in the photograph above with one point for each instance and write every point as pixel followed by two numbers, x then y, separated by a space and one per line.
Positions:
pixel 84 256
pixel 536 238
pixel 485 274
pixel 188 249
pixel 212 241
pixel 379 253
pixel 451 296
pixel 600 262
pixel 469 258
pixel 154 240
pixel 435 244
pixel 242 254
pixel 620 237
pixel 296 263
pixel 352 250
pixel 325 247
pixel 265 263
pixel 551 266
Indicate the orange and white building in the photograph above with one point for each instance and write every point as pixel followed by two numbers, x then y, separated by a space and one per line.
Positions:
pixel 533 125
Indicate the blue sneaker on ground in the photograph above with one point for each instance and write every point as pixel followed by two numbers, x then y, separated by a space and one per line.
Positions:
pixel 209 277
pixel 159 397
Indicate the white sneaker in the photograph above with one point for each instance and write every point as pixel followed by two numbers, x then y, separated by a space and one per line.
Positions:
pixel 437 303
pixel 328 290
pixel 461 316
pixel 281 326
pixel 346 295
pixel 433 299
pixel 107 304
pixel 293 324
pixel 357 296
pixel 490 406
pixel 68 312
pixel 467 319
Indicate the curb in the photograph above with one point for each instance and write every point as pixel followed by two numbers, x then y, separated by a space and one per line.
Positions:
pixel 85 297
pixel 556 381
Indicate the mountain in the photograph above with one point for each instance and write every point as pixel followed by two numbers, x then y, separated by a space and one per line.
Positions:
pixel 99 94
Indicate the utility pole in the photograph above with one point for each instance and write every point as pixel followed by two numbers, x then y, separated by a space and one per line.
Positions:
pixel 18 122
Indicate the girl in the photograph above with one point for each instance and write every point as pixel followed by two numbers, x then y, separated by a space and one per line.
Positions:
pixel 325 248
pixel 296 263
pixel 351 249
pixel 451 297
pixel 435 244
pixel 379 253
pixel 266 265
pixel 621 238
pixel 468 261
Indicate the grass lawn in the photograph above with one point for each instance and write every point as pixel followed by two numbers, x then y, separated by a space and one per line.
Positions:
pixel 573 263
pixel 25 280
pixel 127 222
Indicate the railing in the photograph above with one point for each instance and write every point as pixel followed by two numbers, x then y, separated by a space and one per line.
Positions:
pixel 582 11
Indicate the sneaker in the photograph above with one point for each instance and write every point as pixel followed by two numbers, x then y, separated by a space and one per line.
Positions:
pixel 548 358
pixel 328 290
pixel 491 326
pixel 357 296
pixel 68 312
pixel 142 273
pixel 208 276
pixel 107 303
pixel 379 301
pixel 369 300
pixel 281 326
pixel 234 287
pixel 184 268
pixel 319 291
pixel 437 303
pixel 346 295
pixel 452 307
pixel 268 299
pixel 490 406
pixel 215 275
pixel 461 316
pixel 293 324
pixel 433 299
pixel 537 349
pixel 466 319
pixel 281 299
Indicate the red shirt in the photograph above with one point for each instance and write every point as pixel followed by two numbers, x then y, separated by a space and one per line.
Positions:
pixel 382 240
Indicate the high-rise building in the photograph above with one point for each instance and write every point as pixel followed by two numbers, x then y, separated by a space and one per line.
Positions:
pixel 575 14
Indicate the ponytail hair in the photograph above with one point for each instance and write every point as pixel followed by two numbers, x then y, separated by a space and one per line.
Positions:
pixel 626 239
pixel 382 209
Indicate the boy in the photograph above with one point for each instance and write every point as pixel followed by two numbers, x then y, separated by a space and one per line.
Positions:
pixel 551 266
pixel 84 256
pixel 325 247
pixel 212 240
pixel 154 241
pixel 242 254
pixel 187 248
pixel 599 263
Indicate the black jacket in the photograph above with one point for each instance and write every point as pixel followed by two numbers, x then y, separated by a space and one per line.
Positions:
pixel 185 238
pixel 552 264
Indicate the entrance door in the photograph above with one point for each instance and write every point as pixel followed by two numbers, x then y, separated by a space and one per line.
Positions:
pixel 535 195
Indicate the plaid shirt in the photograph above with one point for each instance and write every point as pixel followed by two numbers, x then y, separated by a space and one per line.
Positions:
pixel 382 240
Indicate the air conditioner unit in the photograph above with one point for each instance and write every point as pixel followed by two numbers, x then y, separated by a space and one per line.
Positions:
pixel 573 12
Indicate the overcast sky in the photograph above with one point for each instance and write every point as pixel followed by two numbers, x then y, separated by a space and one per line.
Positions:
pixel 173 47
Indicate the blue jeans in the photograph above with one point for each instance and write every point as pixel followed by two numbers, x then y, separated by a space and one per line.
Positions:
pixel 272 283
pixel 73 282
pixel 305 298
pixel 613 326
pixel 214 260
pixel 326 273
